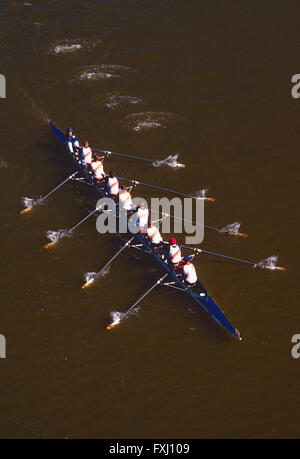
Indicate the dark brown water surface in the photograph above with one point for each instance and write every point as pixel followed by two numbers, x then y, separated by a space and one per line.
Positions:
pixel 220 73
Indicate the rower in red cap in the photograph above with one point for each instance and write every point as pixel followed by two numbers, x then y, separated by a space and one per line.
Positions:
pixel 174 252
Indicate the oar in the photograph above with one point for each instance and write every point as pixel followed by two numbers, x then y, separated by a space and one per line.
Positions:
pixel 40 200
pixel 108 153
pixel 93 276
pixel 120 317
pixel 68 232
pixel 213 228
pixel 135 182
pixel 139 158
pixel 267 263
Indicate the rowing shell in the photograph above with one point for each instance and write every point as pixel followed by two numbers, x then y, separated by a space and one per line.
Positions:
pixel 198 293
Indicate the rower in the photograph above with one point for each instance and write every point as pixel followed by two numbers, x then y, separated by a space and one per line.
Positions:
pixel 125 200
pixel 71 140
pixel 112 185
pixel 155 236
pixel 174 252
pixel 189 271
pixel 86 154
pixel 97 167
pixel 142 216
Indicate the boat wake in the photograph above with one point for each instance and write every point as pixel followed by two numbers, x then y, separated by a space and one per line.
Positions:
pixel 170 161
pixel 116 100
pixel 148 121
pixel 103 72
pixel 73 46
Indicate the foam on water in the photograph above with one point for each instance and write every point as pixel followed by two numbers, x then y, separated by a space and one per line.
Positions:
pixel 73 46
pixel 233 228
pixel 269 263
pixel 116 100
pixel 30 202
pixel 90 277
pixel 104 71
pixel 147 121
pixel 3 165
pixel 53 236
pixel 170 161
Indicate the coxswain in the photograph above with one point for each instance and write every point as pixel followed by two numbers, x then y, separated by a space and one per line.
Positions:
pixel 142 216
pixel 86 154
pixel 97 167
pixel 189 272
pixel 174 252
pixel 125 200
pixel 112 184
pixel 71 140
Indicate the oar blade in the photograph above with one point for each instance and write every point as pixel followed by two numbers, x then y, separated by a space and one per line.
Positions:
pixel 116 316
pixel 50 244
pixel 26 210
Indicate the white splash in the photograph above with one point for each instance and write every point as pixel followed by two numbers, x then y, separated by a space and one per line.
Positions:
pixel 170 161
pixel 90 277
pixel 53 236
pixel 116 319
pixel 3 165
pixel 269 263
pixel 201 193
pixel 30 202
pixel 234 229
pixel 64 49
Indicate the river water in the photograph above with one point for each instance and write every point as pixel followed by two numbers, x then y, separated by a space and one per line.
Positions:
pixel 212 82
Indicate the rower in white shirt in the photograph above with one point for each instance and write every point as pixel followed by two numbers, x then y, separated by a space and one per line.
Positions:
pixel 97 168
pixel 174 252
pixel 86 155
pixel 142 216
pixel 112 185
pixel 154 235
pixel 189 272
pixel 125 200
